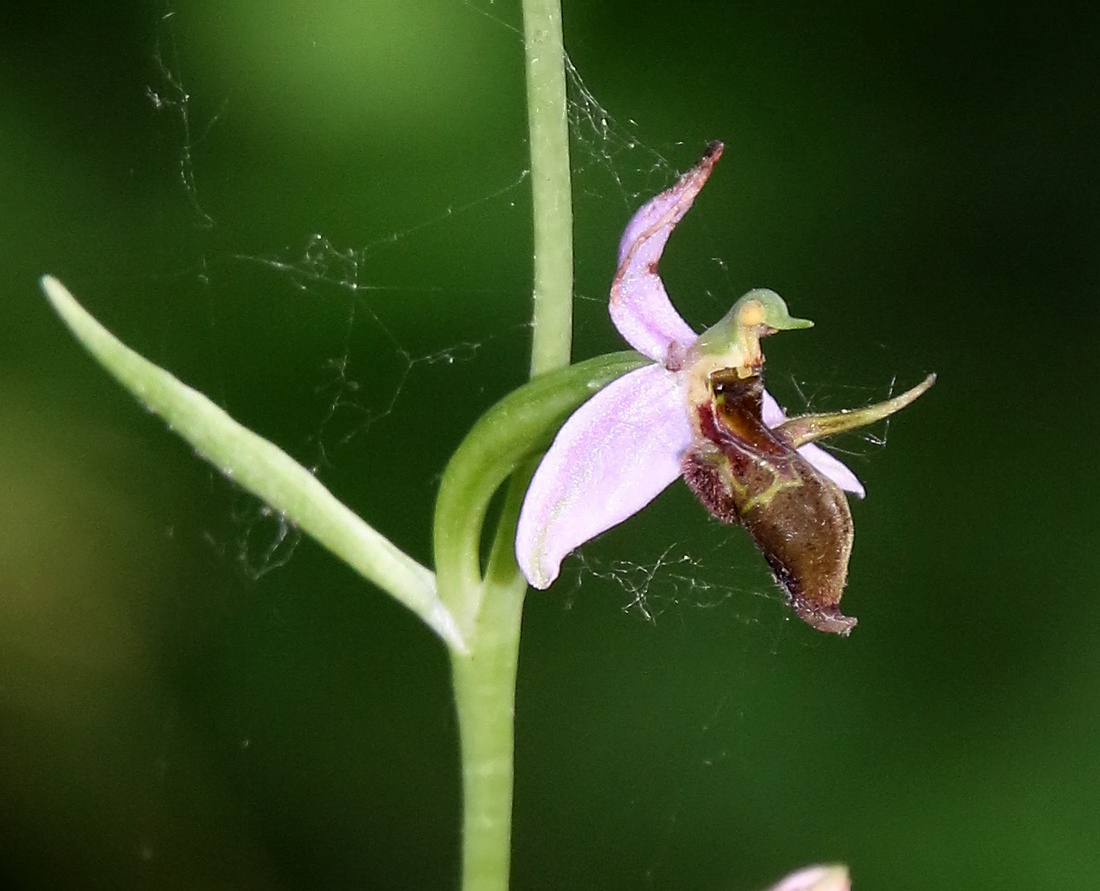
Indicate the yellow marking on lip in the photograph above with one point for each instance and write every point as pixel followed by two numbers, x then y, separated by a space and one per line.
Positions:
pixel 735 487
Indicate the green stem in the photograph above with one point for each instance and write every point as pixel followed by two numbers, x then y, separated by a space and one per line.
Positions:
pixel 485 678
pixel 551 191
pixel 485 690
pixel 485 686
pixel 489 610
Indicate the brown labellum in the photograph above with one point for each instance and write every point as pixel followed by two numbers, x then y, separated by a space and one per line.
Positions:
pixel 747 473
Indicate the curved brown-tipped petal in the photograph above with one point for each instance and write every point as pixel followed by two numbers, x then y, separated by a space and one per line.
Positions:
pixel 616 453
pixel 640 307
pixel 824 462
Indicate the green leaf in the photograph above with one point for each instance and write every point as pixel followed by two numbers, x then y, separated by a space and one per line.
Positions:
pixel 263 469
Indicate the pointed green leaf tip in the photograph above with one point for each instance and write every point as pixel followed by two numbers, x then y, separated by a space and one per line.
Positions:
pixel 263 469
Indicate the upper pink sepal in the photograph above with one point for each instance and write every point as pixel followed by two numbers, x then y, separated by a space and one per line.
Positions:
pixel 640 307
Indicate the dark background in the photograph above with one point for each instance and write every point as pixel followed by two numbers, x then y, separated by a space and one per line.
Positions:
pixel 331 238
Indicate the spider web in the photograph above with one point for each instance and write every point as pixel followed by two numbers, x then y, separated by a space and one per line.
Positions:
pixel 339 277
pixel 372 360
pixel 614 169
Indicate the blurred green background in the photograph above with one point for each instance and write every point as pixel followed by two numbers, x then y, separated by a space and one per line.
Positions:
pixel 317 214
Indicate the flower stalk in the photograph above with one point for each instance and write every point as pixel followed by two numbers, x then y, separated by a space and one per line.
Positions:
pixel 485 678
pixel 488 607
pixel 551 190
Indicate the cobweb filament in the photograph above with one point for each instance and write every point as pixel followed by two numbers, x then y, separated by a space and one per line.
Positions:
pixel 600 141
pixel 369 364
pixel 809 401
pixel 603 145
pixel 173 97
pixel 267 541
pixel 347 417
pixel 672 579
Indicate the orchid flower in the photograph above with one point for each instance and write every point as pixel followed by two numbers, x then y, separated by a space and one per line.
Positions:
pixel 699 411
